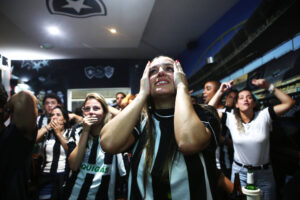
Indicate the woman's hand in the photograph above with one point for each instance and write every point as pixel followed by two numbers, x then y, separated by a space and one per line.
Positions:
pixel 144 83
pixel 261 83
pixel 57 127
pixel 179 75
pixel 225 86
pixel 88 121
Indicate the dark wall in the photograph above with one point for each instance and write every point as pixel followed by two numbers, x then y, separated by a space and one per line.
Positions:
pixel 60 75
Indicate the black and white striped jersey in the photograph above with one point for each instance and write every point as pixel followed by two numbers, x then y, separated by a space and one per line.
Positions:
pixel 96 176
pixel 189 177
pixel 42 121
pixel 55 156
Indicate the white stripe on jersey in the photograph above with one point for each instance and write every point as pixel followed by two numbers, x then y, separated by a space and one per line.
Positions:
pixel 48 149
pixel 178 179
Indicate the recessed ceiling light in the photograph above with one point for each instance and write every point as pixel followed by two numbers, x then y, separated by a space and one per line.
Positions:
pixel 53 30
pixel 46 46
pixel 112 30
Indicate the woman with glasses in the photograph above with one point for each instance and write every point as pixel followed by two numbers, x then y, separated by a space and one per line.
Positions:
pixel 174 146
pixel 55 167
pixel 94 171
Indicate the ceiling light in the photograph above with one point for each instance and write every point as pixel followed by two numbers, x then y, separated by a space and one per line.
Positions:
pixel 53 30
pixel 46 46
pixel 209 60
pixel 113 30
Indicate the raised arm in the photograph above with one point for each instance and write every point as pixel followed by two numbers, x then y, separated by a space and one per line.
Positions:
pixel 286 101
pixel 190 133
pixel 23 107
pixel 41 132
pixel 116 136
pixel 113 111
pixel 217 97
pixel 77 118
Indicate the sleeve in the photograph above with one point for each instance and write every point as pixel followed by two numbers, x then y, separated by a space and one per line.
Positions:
pixel 74 138
pixel 209 117
pixel 272 113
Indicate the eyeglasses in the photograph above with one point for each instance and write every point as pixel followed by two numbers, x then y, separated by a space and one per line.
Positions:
pixel 88 109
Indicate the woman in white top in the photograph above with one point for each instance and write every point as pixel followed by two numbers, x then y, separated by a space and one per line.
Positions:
pixel 250 133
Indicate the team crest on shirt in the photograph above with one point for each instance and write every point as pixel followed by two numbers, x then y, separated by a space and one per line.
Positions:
pixel 77 8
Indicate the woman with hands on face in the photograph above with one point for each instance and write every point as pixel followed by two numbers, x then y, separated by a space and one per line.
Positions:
pixel 174 145
pixel 55 167
pixel 250 131
pixel 94 170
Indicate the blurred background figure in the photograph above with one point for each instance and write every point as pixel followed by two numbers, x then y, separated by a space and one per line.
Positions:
pixel 16 143
pixel 127 100
pixel 119 97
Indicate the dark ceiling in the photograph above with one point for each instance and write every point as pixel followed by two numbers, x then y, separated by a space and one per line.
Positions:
pixel 273 23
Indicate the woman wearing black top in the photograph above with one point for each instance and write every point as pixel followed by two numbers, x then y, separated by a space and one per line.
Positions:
pixel 173 153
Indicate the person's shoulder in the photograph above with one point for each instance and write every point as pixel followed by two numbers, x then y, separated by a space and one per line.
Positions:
pixel 208 115
pixel 206 111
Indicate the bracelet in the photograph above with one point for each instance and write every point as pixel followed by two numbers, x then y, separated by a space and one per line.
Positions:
pixel 271 88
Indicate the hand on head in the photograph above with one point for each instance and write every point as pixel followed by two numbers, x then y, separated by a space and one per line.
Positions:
pixel 179 75
pixel 144 83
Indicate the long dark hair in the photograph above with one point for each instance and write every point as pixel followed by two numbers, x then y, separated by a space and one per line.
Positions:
pixel 150 144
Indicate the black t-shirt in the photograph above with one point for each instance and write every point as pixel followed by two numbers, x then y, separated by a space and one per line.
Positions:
pixel 15 157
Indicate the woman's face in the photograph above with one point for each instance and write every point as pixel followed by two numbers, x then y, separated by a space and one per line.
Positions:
pixel 245 101
pixel 230 99
pixel 161 77
pixel 57 116
pixel 93 108
pixel 210 89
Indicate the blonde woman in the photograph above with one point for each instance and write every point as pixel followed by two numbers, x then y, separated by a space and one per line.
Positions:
pixel 93 170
